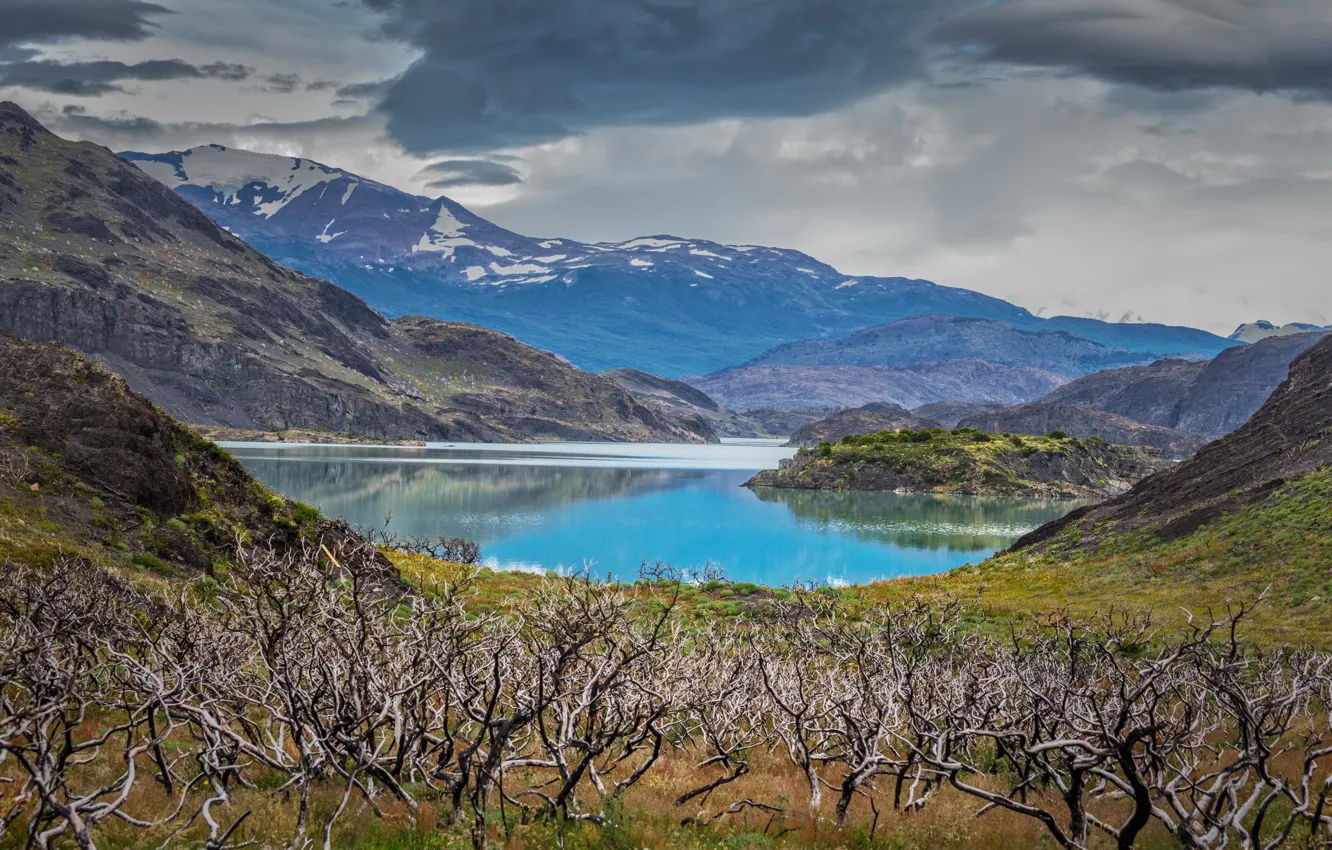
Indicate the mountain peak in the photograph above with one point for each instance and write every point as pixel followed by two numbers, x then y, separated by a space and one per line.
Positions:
pixel 14 116
pixel 1263 329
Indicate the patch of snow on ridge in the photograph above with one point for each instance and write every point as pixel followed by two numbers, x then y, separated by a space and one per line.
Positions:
pixel 518 268
pixel 640 263
pixel 474 272
pixel 444 246
pixel 327 237
pixel 646 242
pixel 844 284
pixel 498 251
pixel 699 252
pixel 228 171
pixel 554 258
pixel 701 274
pixel 350 190
pixel 447 224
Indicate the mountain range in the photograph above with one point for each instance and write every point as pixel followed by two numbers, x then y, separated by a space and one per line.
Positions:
pixel 934 338
pixel 1210 398
pixel 98 256
pixel 661 304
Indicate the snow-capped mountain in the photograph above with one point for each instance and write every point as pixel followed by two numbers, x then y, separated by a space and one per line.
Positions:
pixel 1261 329
pixel 662 304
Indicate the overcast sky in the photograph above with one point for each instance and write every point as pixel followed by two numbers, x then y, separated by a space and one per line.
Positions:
pixel 1169 160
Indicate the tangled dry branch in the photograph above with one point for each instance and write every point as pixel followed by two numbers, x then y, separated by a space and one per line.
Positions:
pixel 303 670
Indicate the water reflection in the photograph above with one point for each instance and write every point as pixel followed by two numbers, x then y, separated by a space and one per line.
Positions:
pixel 957 523
pixel 553 507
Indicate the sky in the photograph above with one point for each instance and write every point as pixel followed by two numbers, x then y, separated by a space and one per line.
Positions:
pixel 1157 160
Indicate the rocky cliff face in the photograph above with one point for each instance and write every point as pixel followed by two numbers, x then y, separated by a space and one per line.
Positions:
pixel 97 255
pixel 1290 436
pixel 870 419
pixel 1208 398
pixel 1075 421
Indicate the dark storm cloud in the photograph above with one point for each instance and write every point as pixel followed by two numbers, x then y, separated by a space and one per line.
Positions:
pixel 90 79
pixel 122 130
pixel 453 173
pixel 24 21
pixel 1172 45
pixel 498 73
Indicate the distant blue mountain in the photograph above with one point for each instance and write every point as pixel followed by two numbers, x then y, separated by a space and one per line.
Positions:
pixel 661 304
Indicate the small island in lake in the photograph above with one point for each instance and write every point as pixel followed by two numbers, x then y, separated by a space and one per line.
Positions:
pixel 968 462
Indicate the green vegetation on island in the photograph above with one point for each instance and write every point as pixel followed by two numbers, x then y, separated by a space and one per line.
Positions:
pixel 970 462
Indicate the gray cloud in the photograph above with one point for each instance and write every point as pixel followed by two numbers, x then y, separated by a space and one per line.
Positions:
pixel 453 173
pixel 500 73
pixel 90 79
pixel 1266 46
pixel 55 20
pixel 122 130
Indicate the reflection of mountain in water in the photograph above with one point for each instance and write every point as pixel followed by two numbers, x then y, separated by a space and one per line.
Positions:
pixel 430 499
pixel 955 523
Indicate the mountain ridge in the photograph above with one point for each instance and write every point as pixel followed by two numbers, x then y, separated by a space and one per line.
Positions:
pixel 937 338
pixel 1210 398
pixel 661 304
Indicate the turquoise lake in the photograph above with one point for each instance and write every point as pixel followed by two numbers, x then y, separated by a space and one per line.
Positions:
pixel 565 506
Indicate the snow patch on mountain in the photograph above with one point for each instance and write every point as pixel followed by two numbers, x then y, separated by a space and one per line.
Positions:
pixel 1261 329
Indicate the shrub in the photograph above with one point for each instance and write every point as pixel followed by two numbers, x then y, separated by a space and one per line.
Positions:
pixel 1016 440
pixel 825 449
pixel 1057 435
pixel 154 564
pixel 981 437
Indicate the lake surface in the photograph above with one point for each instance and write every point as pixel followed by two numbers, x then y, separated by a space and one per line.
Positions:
pixel 612 507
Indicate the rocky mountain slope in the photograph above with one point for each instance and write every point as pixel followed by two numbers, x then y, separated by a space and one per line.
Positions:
pixel 842 387
pixel 937 338
pixel 89 467
pixel 968 462
pixel 870 419
pixel 680 399
pixel 1210 399
pixel 1040 419
pixel 661 304
pixel 96 255
pixel 1284 448
pixel 949 413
